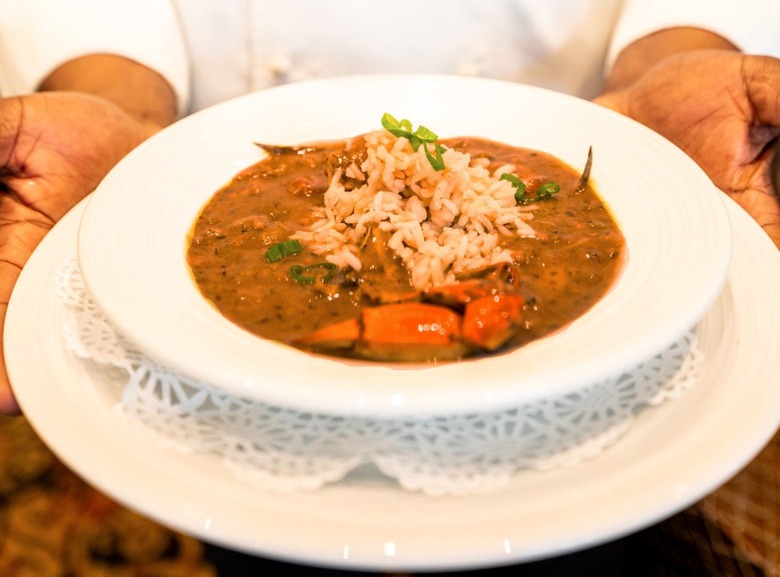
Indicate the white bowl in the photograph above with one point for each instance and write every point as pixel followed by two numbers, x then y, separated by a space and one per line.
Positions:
pixel 133 239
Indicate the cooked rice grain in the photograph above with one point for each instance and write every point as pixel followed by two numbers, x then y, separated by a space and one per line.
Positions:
pixel 439 223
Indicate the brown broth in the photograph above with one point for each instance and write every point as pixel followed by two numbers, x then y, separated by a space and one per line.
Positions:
pixel 565 270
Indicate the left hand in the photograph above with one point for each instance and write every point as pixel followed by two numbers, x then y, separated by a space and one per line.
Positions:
pixel 723 109
pixel 55 147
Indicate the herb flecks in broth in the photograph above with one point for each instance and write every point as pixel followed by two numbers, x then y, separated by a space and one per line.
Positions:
pixel 365 248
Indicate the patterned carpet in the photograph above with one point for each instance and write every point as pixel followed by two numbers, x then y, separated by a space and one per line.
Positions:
pixel 52 524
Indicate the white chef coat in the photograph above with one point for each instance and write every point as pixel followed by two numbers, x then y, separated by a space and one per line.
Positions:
pixel 212 50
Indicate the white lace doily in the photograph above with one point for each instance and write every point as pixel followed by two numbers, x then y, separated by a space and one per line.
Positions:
pixel 289 450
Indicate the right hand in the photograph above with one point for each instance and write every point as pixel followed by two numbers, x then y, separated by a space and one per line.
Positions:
pixel 55 147
pixel 723 109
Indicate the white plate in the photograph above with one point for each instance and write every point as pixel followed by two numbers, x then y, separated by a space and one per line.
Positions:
pixel 670 458
pixel 132 244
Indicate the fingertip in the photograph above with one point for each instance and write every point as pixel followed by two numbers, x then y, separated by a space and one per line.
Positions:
pixel 8 404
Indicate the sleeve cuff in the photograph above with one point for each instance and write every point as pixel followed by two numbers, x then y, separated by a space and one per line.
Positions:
pixel 751 25
pixel 36 36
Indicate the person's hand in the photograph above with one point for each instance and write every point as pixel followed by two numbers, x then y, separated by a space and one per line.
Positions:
pixel 723 109
pixel 55 148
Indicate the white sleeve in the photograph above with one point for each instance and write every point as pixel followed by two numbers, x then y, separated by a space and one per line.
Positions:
pixel 38 35
pixel 751 25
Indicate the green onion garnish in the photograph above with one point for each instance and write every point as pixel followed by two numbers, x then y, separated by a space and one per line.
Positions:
pixel 544 192
pixel 422 136
pixel 517 183
pixel 437 162
pixel 547 190
pixel 297 272
pixel 278 251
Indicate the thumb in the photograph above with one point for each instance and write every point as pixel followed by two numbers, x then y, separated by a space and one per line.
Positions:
pixel 8 404
pixel 761 198
pixel 10 119
pixel 761 76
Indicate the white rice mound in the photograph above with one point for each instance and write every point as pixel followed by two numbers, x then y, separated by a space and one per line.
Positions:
pixel 440 223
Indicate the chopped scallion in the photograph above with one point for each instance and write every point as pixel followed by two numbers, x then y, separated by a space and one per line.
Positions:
pixel 515 181
pixel 544 192
pixel 547 190
pixel 280 250
pixel 437 162
pixel 297 272
pixel 422 136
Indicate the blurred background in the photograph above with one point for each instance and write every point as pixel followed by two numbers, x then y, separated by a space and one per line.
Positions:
pixel 52 524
